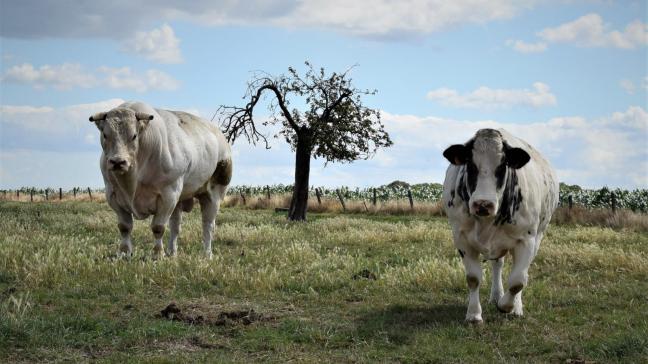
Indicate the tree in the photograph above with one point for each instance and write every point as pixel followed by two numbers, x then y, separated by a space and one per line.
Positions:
pixel 334 125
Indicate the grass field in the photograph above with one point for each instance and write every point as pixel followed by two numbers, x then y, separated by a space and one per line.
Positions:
pixel 340 288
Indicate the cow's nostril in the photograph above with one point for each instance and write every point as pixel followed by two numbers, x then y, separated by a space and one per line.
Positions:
pixel 117 162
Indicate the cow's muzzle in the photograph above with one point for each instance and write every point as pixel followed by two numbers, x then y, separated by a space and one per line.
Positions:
pixel 483 208
pixel 117 164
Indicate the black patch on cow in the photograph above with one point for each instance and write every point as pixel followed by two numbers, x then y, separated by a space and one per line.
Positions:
pixel 462 189
pixel 515 157
pixel 500 173
pixel 511 199
pixel 452 196
pixel 458 154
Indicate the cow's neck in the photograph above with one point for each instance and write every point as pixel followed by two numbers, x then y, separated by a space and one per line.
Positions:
pixel 126 185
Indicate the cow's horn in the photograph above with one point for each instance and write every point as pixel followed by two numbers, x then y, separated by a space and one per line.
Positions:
pixel 143 116
pixel 98 116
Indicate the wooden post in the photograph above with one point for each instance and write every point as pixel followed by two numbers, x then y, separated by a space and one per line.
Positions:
pixel 60 193
pixel 47 194
pixel 614 202
pixel 31 195
pixel 365 205
pixel 243 197
pixel 319 196
pixel 74 192
pixel 90 193
pixel 18 194
pixel 341 199
pixel 268 191
pixel 570 200
pixel 411 200
pixel 374 196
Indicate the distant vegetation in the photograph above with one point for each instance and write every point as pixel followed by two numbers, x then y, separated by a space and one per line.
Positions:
pixel 635 200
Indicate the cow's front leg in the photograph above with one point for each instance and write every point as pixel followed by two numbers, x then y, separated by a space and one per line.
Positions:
pixel 165 207
pixel 497 289
pixel 473 278
pixel 511 302
pixel 174 227
pixel 125 226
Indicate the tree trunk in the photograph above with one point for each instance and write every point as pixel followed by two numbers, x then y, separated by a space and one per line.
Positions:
pixel 299 201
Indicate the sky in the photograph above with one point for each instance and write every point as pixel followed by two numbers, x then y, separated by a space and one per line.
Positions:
pixel 568 76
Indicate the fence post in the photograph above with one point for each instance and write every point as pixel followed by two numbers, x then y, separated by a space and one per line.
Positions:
pixel 243 197
pixel 268 191
pixel 411 200
pixel 47 194
pixel 90 193
pixel 74 192
pixel 570 200
pixel 614 202
pixel 374 196
pixel 341 199
pixel 60 193
pixel 18 194
pixel 319 196
pixel 31 195
pixel 365 205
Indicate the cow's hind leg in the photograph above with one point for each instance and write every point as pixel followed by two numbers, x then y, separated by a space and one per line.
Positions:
pixel 473 278
pixel 497 289
pixel 174 229
pixel 511 302
pixel 209 206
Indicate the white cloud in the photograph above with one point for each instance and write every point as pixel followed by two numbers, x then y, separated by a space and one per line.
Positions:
pixel 370 18
pixel 59 142
pixel 67 76
pixel 591 31
pixel 607 151
pixel 628 86
pixel 159 45
pixel 524 47
pixel 62 77
pixel 488 98
pixel 386 18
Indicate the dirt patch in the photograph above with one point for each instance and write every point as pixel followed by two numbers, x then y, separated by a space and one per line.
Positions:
pixel 245 317
pixel 198 342
pixel 364 274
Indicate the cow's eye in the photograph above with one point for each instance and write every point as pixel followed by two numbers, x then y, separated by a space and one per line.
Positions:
pixel 134 137
pixel 104 135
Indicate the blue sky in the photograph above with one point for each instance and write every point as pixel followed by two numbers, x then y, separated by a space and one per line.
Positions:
pixel 568 76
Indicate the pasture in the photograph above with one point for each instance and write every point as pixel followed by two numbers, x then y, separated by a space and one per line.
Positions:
pixel 340 288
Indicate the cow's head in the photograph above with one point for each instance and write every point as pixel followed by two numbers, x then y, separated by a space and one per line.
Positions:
pixel 120 133
pixel 489 173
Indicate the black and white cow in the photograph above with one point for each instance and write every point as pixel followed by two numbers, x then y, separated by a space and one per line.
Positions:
pixel 499 194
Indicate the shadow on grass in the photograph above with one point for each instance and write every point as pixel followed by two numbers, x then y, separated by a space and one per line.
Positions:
pixel 399 323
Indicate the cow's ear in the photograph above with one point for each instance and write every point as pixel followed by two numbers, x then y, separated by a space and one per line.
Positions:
pixel 516 157
pixel 457 154
pixel 98 118
pixel 143 119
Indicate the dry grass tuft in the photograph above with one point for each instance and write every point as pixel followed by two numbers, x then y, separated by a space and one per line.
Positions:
pixel 621 219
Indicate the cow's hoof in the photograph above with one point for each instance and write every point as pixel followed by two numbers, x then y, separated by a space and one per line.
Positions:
pixel 158 252
pixel 474 319
pixel 172 253
pixel 504 308
pixel 209 255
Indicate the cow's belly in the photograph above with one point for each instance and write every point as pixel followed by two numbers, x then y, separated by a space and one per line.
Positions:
pixel 492 242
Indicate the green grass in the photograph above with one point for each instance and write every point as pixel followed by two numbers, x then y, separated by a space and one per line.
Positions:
pixel 64 295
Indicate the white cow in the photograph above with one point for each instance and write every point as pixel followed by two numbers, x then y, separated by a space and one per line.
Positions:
pixel 154 162
pixel 499 194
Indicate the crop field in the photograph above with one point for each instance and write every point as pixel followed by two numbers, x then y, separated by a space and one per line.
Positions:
pixel 340 288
